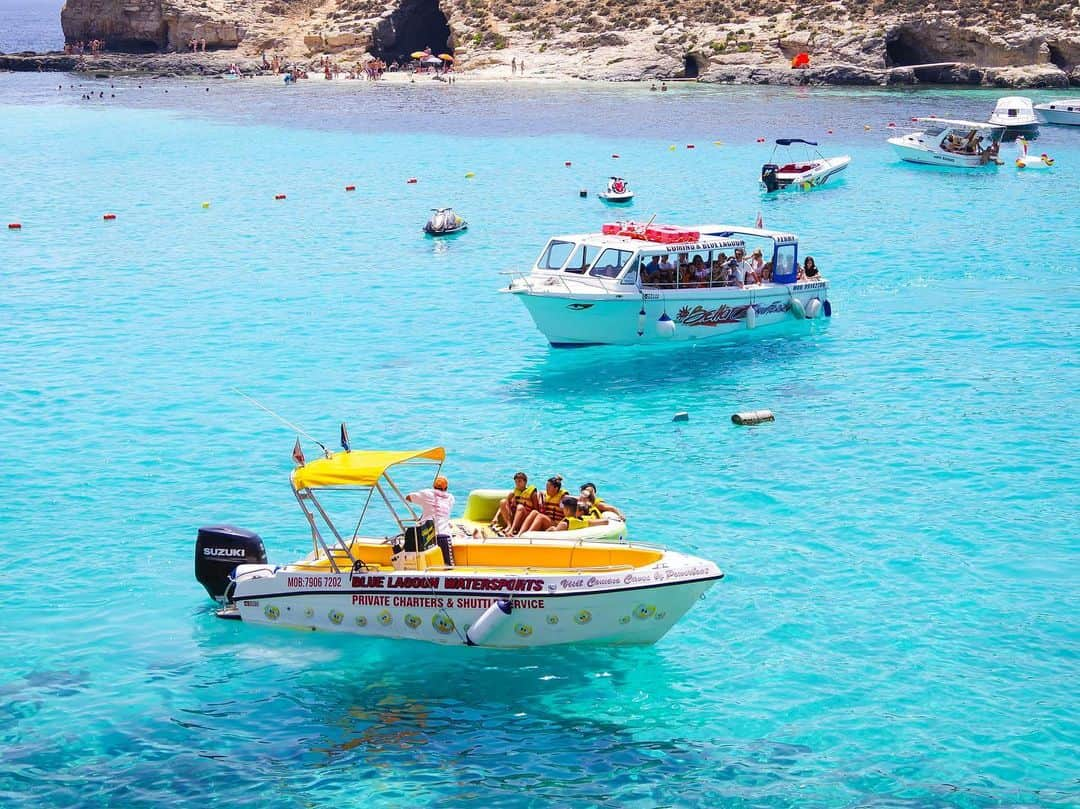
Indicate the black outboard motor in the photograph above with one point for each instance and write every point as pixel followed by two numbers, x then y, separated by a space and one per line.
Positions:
pixel 218 550
pixel 768 177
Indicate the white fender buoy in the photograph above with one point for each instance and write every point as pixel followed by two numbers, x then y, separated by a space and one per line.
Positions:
pixel 813 308
pixel 751 316
pixel 489 621
pixel 641 321
pixel 751 417
pixel 826 307
pixel 797 308
pixel 665 326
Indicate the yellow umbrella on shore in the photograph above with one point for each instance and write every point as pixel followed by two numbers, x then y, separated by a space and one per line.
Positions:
pixel 418 54
pixel 446 57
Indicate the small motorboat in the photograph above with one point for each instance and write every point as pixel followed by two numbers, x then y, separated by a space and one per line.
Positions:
pixel 399 580
pixel 1062 113
pixel 804 171
pixel 1026 160
pixel 444 222
pixel 944 142
pixel 482 505
pixel 618 191
pixel 1017 116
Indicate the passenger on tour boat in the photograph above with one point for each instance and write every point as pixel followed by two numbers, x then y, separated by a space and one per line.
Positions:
pixel 516 506
pixel 736 274
pixel 757 263
pixel 808 270
pixel 699 272
pixel 650 273
pixel 766 273
pixel 550 511
pixel 748 276
pixel 589 489
pixel 667 266
pixel 577 515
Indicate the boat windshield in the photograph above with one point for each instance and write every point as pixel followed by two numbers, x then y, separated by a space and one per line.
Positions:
pixel 933 130
pixel 582 258
pixel 611 262
pixel 555 255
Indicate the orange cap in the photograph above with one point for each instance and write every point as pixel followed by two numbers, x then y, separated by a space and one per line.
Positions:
pixel 442 483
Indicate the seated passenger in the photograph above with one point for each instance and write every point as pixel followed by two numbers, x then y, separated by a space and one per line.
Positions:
pixel 577 516
pixel 766 273
pixel 589 490
pixel 747 272
pixel 650 273
pixel 517 504
pixel 736 276
pixel 550 511
pixel 667 267
pixel 757 262
pixel 699 272
pixel 809 269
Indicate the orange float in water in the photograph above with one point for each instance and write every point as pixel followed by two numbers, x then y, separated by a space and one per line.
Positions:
pixel 615 156
pixel 350 188
pixel 568 164
pixel 411 181
pixel 109 217
pixel 14 226
pixel 689 146
pixel 279 196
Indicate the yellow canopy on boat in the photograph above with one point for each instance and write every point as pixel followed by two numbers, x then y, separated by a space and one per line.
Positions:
pixel 357 468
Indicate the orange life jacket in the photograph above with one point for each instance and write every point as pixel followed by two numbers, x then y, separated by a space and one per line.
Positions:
pixel 552 507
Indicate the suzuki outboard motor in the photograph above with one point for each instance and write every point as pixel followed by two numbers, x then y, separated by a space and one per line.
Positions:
pixel 218 550
pixel 768 177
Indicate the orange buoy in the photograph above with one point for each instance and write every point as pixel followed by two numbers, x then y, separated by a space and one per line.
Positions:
pixel 892 125
pixel 761 140
pixel 279 196
pixel 615 156
pixel 568 164
pixel 689 146
pixel 411 181
pixel 350 188
pixel 828 131
pixel 109 217
pixel 14 226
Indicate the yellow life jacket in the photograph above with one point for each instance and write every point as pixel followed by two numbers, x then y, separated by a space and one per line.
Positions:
pixel 521 497
pixel 575 523
pixel 552 506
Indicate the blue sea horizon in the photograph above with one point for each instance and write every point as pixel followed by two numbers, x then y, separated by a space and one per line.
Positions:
pixel 898 621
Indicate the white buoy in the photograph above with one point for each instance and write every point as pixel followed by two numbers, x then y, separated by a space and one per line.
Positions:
pixel 641 321
pixel 797 308
pixel 751 316
pixel 751 417
pixel 813 308
pixel 489 621
pixel 665 326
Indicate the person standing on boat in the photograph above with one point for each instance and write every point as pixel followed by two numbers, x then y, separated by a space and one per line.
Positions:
pixel 436 504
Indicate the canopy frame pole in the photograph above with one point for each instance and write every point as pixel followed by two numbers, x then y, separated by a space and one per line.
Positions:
pixel 316 534
pixel 333 529
pixel 363 513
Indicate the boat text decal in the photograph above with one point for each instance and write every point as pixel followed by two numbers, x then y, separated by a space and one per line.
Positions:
pixel 650 577
pixel 700 316
pixel 439 603
pixel 444 583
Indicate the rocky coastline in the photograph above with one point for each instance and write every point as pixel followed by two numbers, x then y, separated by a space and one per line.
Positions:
pixel 848 45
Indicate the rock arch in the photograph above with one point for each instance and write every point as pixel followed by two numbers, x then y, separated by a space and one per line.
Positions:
pixel 412 26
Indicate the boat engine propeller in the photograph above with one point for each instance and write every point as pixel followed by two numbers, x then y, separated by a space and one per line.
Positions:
pixel 218 550
pixel 768 176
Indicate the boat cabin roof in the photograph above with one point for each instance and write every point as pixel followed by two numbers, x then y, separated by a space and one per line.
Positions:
pixel 955 123
pixel 713 237
pixel 1020 102
pixel 358 467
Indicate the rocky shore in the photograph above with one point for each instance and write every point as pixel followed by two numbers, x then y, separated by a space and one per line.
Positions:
pixel 883 43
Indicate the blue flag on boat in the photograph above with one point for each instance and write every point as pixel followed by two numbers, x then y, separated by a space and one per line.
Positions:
pixel 344 437
pixel 298 453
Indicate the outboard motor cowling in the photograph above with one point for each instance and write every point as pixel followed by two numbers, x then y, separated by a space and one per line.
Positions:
pixel 768 176
pixel 218 550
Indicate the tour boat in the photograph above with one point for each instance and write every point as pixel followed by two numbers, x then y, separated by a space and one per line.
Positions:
pixel 443 222
pixel 1063 113
pixel 602 288
pixel 805 171
pixel 618 190
pixel 1017 116
pixel 400 583
pixel 944 142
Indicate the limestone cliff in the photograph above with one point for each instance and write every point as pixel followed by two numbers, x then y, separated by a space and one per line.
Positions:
pixel 880 41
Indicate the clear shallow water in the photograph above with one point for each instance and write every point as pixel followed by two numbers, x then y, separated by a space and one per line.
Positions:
pixel 898 624
pixel 30 25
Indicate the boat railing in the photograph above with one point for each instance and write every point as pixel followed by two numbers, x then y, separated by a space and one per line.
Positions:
pixel 594 283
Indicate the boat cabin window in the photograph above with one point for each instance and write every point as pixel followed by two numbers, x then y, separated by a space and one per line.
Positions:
pixel 933 130
pixel 610 263
pixel 1012 113
pixel 785 263
pixel 582 258
pixel 555 255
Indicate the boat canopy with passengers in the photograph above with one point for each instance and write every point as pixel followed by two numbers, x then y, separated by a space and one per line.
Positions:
pixel 943 142
pixel 804 166
pixel 384 575
pixel 632 284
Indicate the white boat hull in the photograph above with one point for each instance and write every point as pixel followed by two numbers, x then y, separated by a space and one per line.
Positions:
pixel 618 606
pixel 698 314
pixel 616 198
pixel 1065 113
pixel 937 157
pixel 820 173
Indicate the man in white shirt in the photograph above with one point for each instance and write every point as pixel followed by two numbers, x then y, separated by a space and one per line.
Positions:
pixel 436 504
pixel 746 272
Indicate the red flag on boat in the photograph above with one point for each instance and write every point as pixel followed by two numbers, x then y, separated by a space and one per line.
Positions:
pixel 758 223
pixel 298 453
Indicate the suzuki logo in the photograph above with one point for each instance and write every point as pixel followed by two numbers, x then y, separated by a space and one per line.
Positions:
pixel 226 552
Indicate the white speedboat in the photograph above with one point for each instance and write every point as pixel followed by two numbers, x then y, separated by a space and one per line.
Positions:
pixel 617 191
pixel 1017 116
pixel 632 284
pixel 806 170
pixel 444 222
pixel 1063 113
pixel 477 592
pixel 1026 160
pixel 943 142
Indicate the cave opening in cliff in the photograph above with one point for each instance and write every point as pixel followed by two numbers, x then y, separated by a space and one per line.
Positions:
pixel 414 26
pixel 904 49
pixel 129 45
pixel 1057 58
pixel 691 66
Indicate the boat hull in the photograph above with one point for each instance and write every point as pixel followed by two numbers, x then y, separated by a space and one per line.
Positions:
pixel 938 157
pixel 1063 114
pixel 616 199
pixel 445 606
pixel 820 174
pixel 697 314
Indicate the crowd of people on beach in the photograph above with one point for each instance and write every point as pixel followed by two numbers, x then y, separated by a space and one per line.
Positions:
pixel 195 45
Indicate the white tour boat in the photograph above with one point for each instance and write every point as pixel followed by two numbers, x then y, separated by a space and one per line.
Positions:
pixel 618 191
pixel 1063 113
pixel 943 142
pixel 1017 116
pixel 473 591
pixel 629 285
pixel 804 171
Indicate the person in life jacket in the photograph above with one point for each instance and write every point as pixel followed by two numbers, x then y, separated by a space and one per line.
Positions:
pixel 517 505
pixel 577 515
pixel 589 490
pixel 551 508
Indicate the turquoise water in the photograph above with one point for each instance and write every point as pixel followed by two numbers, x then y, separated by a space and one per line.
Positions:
pixel 898 625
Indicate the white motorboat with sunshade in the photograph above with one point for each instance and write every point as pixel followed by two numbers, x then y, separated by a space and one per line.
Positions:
pixel 1017 116
pixel 483 592
pixel 632 284
pixel 1061 113
pixel 617 191
pixel 805 171
pixel 943 142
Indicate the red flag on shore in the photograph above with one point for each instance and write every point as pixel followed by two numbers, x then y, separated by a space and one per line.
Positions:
pixel 298 453
pixel 758 223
